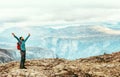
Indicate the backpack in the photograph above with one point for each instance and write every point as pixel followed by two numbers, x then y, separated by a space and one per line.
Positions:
pixel 18 46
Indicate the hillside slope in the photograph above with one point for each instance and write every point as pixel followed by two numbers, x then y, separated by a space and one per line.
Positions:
pixel 107 65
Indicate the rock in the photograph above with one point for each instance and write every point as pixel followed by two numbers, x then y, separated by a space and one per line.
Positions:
pixel 107 65
pixel 60 66
pixel 61 73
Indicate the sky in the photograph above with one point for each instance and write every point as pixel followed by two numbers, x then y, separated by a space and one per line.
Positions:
pixel 45 12
pixel 58 13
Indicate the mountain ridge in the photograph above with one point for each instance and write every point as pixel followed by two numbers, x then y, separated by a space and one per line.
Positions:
pixel 107 65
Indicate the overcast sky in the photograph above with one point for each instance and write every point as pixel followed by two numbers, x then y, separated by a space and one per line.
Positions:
pixel 40 12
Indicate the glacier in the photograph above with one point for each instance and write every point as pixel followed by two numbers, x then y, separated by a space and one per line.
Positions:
pixel 71 42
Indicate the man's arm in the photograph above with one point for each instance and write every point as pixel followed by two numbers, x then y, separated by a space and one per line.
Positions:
pixel 27 37
pixel 16 37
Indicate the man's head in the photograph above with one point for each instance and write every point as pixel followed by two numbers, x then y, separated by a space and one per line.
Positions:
pixel 21 38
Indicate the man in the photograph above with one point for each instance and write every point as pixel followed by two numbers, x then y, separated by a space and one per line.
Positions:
pixel 22 42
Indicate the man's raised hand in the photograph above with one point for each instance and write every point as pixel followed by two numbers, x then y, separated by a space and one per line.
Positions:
pixel 28 34
pixel 13 34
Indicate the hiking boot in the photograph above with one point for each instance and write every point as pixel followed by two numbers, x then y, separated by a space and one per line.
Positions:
pixel 24 68
pixel 21 68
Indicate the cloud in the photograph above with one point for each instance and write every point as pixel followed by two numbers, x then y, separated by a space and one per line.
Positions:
pixel 106 30
pixel 44 12
pixel 12 20
pixel 60 3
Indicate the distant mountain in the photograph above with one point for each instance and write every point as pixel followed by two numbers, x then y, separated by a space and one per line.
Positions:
pixel 77 41
pixel 5 56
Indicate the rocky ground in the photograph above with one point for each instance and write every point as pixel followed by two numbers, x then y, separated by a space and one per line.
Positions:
pixel 107 65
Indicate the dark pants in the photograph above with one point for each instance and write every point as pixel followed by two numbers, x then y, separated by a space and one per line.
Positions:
pixel 23 58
